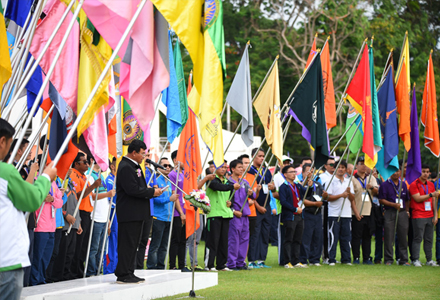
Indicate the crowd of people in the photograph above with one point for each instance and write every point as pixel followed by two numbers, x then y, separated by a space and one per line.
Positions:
pixel 303 212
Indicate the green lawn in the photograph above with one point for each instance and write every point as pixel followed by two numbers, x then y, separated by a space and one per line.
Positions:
pixel 338 282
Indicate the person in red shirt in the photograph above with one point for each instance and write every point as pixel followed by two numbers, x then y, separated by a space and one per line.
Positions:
pixel 424 216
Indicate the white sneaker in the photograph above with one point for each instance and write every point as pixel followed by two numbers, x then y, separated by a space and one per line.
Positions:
pixel 225 269
pixel 432 263
pixel 317 265
pixel 331 264
pixel 288 266
pixel 213 270
pixel 325 261
pixel 300 265
pixel 417 263
pixel 348 264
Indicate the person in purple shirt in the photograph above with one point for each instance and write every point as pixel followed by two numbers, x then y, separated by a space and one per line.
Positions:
pixel 238 236
pixel 389 198
pixel 178 235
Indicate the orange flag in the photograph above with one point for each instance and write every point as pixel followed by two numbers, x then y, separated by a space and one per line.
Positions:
pixel 329 91
pixel 359 95
pixel 403 107
pixel 189 154
pixel 429 111
pixel 312 53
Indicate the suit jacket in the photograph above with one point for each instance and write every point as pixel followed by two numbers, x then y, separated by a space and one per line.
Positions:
pixel 132 194
pixel 286 200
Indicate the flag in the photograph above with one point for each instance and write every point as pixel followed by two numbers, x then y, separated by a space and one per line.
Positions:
pixel 307 105
pixel 5 61
pixel 189 154
pixel 356 141
pixel 143 72
pixel 58 129
pixel 387 161
pixel 329 90
pixel 181 86
pixel 359 95
pixel 377 137
pixel 414 165
pixel 18 11
pixel 240 98
pixel 267 106
pixel 65 75
pixel 130 127
pixel 111 116
pixel 33 87
pixel 403 88
pixel 170 97
pixel 312 53
pixel 96 139
pixel 429 111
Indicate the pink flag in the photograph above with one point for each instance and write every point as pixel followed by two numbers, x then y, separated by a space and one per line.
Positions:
pixel 65 75
pixel 97 141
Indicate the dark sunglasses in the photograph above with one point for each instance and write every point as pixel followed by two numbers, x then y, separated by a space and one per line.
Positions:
pixel 167 166
pixel 84 162
pixel 331 165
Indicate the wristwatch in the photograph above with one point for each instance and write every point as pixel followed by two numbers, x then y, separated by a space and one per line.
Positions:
pixel 430 195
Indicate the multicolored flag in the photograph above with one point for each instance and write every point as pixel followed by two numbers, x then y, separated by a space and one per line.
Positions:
pixel 189 154
pixel 5 61
pixel 240 98
pixel 268 108
pixel 414 165
pixel 359 95
pixel 329 90
pixel 403 89
pixel 181 86
pixel 307 107
pixel 429 111
pixel 356 141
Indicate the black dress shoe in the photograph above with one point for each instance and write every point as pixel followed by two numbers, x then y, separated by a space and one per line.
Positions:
pixel 128 279
pixel 139 278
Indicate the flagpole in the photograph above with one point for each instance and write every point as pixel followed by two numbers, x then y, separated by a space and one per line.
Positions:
pixel 100 79
pixel 365 196
pixel 92 225
pixel 349 182
pixel 81 197
pixel 382 78
pixel 401 58
pixel 40 93
pixel 400 191
pixel 172 216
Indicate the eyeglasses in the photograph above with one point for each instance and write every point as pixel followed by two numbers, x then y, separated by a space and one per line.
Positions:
pixel 331 165
pixel 290 172
pixel 167 166
pixel 84 162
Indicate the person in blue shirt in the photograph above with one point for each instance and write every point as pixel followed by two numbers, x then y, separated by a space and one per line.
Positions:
pixel 163 211
pixel 111 257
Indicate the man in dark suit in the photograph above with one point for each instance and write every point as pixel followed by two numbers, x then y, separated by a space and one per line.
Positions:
pixel 132 209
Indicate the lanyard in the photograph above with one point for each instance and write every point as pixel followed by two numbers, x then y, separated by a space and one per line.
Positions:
pixel 425 190
pixel 51 190
pixel 363 184
pixel 394 187
pixel 294 189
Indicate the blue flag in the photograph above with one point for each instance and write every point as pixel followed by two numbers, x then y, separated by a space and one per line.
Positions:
pixel 170 97
pixel 33 87
pixel 387 161
pixel 18 10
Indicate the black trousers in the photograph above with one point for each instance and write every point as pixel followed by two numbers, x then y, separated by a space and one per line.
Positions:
pixel 325 231
pixel 140 255
pixel 81 244
pixel 360 231
pixel 217 242
pixel 129 234
pixel 62 269
pixel 56 247
pixel 178 244
pixel 292 239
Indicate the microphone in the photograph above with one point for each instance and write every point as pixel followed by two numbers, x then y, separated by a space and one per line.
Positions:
pixel 155 164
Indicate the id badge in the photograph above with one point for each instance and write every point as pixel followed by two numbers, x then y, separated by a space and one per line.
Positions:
pixel 317 198
pixel 427 205
pixel 53 212
pixel 265 188
pixel 399 201
pixel 366 197
pixel 300 203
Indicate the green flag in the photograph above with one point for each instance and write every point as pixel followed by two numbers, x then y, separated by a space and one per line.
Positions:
pixel 353 116
pixel 181 85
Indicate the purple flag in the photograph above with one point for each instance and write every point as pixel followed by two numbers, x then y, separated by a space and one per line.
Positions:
pixel 305 132
pixel 414 166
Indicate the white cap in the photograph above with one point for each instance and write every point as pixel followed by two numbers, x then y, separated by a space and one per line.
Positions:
pixel 285 157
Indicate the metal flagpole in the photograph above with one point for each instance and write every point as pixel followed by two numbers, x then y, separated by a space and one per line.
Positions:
pixel 100 79
pixel 81 197
pixel 172 216
pixel 349 181
pixel 91 226
pixel 46 81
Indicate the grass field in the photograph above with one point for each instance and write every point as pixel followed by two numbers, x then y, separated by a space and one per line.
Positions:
pixel 325 282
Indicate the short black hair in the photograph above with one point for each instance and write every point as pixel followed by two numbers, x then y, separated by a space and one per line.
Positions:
pixel 23 142
pixel 163 159
pixel 343 163
pixel 234 163
pixel 286 168
pixel 6 129
pixel 255 151
pixel 77 158
pixel 207 171
pixel 211 162
pixel 243 156
pixel 424 166
pixel 305 166
pixel 305 158
pixel 174 155
pixel 136 145
pixel 42 139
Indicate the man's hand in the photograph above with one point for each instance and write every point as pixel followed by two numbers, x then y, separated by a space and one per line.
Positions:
pixel 358 217
pixel 210 177
pixel 80 230
pixel 236 186
pixel 369 186
pixel 435 194
pixel 228 203
pixel 183 219
pixel 318 203
pixel 274 211
pixel 68 173
pixel 310 182
pixel 112 193
pixel 51 171
pixel 434 220
pixel 174 197
pixel 250 192
pixel 109 230
pixel 258 187
pixel 49 199
pixel 70 219
pixel 299 210
pixel 97 183
pixel 271 186
pixel 344 194
pixel 34 168
pixel 238 214
pixel 157 192
pixel 251 202
pixel 397 206
pixel 261 210
pixel 324 195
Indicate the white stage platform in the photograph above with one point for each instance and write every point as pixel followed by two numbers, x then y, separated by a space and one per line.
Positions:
pixel 158 283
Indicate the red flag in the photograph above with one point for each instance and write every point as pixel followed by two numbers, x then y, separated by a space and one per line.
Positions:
pixel 312 53
pixel 189 154
pixel 429 111
pixel 359 95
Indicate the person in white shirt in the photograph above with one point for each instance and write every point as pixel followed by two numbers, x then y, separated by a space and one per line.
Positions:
pixel 329 170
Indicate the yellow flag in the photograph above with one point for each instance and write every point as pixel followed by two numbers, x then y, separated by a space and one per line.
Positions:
pixel 267 106
pixel 94 55
pixel 404 57
pixel 5 61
